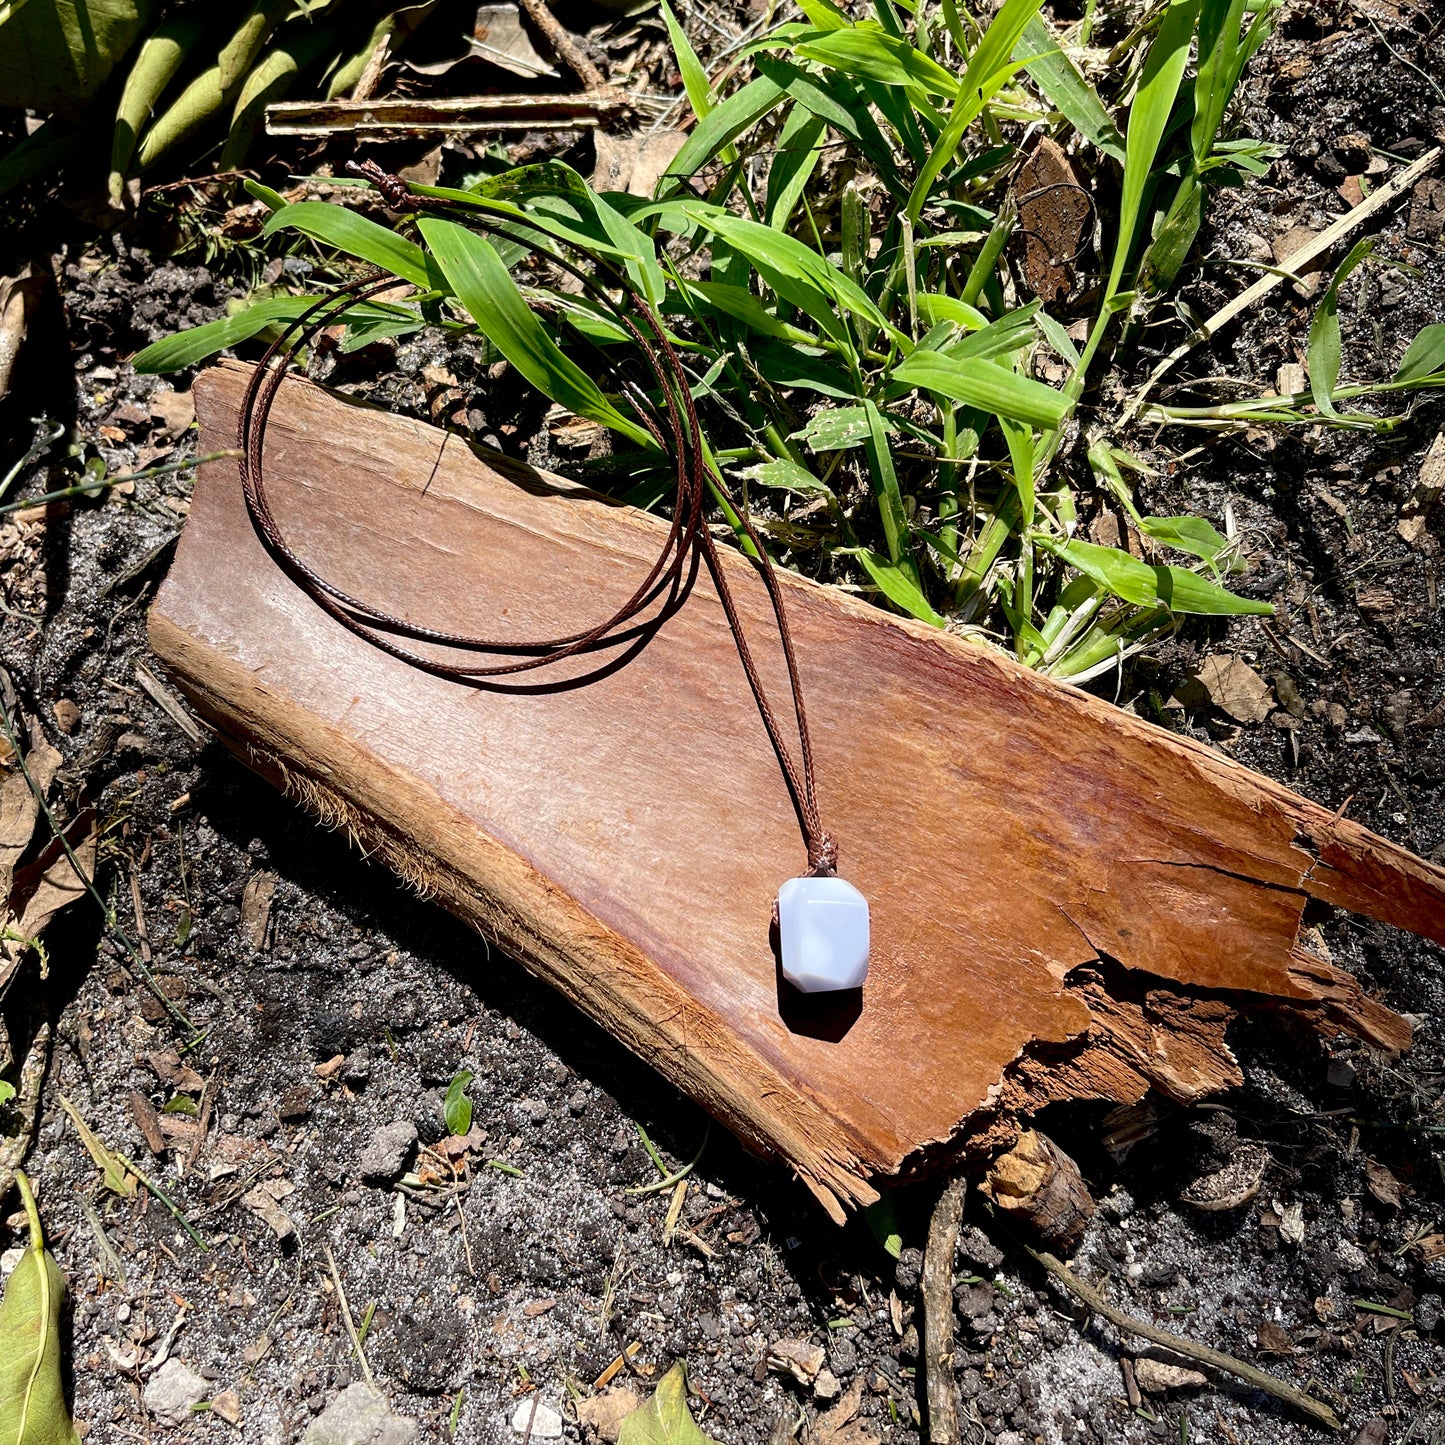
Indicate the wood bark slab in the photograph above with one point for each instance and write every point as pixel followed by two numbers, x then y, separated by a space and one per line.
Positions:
pixel 1067 901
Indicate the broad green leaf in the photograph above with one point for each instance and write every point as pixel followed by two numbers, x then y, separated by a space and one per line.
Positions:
pixel 988 68
pixel 7 1091
pixel 986 385
pixel 823 14
pixel 723 125
pixel 1425 356
pixel 781 258
pixel 1323 354
pixel 934 309
pixel 272 200
pixel 186 348
pixel 867 51
pixel 32 1390
pixel 1066 89
pixel 355 235
pixel 1148 116
pixel 895 584
pixel 483 285
pixel 1174 588
pixel 1186 534
pixel 118 1177
pixel 787 365
pixel 787 475
pixel 694 77
pixel 743 306
pixel 835 429
pixel 798 149
pixel 55 54
pixel 458 1108
pixel 665 1418
pixel 1010 333
pixel 838 100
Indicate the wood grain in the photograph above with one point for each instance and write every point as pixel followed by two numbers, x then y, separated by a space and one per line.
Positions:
pixel 624 837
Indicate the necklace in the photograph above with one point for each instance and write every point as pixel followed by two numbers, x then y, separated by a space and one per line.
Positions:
pixel 822 921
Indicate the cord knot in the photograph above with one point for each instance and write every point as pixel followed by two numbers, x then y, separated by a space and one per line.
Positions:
pixel 393 189
pixel 822 855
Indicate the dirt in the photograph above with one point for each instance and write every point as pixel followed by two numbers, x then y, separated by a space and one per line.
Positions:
pixel 350 1006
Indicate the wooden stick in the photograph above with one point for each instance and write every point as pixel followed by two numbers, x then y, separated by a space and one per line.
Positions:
pixel 392 116
pixel 565 44
pixel 937 1290
pixel 1201 1354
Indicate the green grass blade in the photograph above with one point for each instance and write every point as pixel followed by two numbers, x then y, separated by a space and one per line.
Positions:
pixel 798 149
pixel 483 285
pixel 866 51
pixel 988 68
pixel 896 585
pixel 186 348
pixel 1175 588
pixel 694 76
pixel 723 125
pixel 1066 89
pixel 357 236
pixel 890 500
pixel 1323 355
pixel 1148 117
pixel 986 385
pixel 1425 355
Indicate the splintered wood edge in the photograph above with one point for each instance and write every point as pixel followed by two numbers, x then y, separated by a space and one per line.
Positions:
pixel 390 813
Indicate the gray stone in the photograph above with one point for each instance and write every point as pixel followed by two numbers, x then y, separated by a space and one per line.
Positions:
pixel 386 1151
pixel 359 1416
pixel 546 1423
pixel 172 1390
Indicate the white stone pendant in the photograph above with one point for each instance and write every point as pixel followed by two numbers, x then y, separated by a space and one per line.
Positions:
pixel 823 934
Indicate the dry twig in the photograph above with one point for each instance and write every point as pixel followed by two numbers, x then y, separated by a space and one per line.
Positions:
pixel 937 1290
pixel 1201 1354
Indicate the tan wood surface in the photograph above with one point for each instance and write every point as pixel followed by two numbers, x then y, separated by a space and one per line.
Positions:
pixel 624 837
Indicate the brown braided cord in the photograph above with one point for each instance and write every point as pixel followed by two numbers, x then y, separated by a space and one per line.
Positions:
pixel 675 429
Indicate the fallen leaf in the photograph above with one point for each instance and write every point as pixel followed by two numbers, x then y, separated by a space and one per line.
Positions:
pixel 228 1406
pixel 175 410
pixel 665 1418
pixel 256 900
pixel 1383 1185
pixel 605 1413
pixel 118 1178
pixel 800 1358
pixel 32 1394
pixel 263 1202
pixel 498 36
pixel 1274 1339
pixel 634 163
pixel 1156 1377
pixel 839 1426
pixel 1230 684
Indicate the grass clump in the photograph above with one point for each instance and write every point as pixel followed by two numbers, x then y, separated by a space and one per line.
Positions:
pixel 839 252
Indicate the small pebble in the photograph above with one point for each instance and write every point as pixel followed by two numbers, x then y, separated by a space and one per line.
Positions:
pixel 545 1421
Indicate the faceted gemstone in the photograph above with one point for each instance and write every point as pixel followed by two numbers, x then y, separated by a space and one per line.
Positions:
pixel 823 932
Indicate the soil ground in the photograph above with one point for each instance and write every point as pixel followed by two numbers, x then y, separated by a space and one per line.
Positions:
pixel 543 1264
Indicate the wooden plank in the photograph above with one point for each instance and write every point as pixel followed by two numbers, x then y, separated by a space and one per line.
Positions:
pixel 624 837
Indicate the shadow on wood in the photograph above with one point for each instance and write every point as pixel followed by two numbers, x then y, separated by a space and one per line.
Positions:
pixel 1068 902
